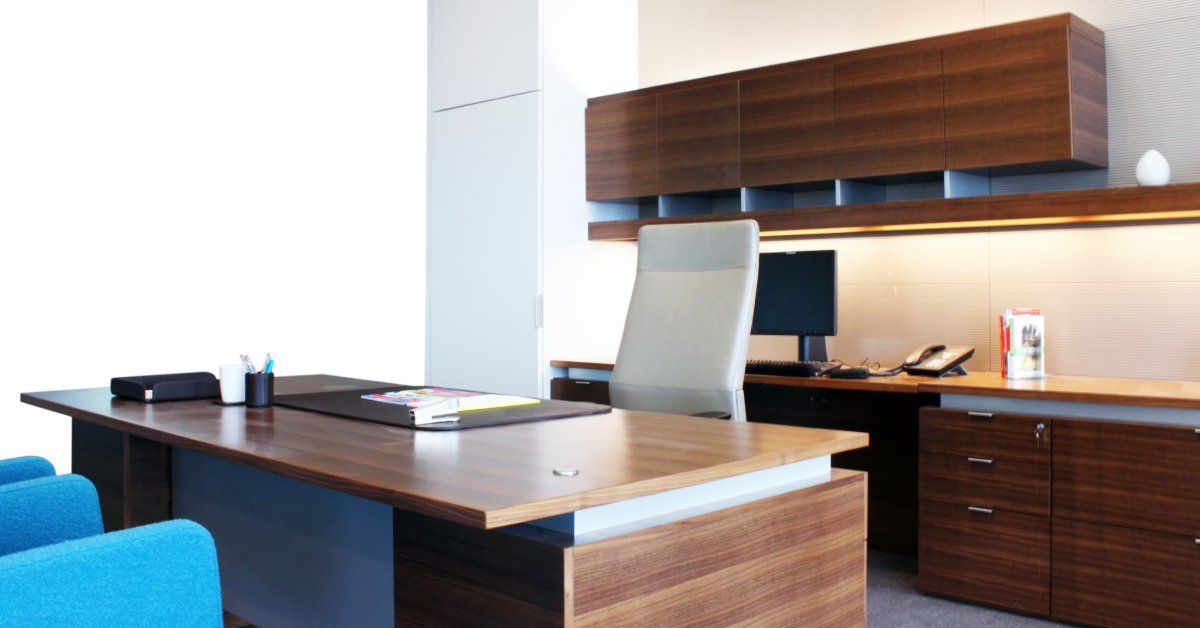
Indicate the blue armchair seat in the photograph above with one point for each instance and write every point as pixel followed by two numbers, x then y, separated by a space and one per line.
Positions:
pixel 57 568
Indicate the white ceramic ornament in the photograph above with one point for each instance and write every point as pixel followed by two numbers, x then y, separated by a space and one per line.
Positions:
pixel 1153 169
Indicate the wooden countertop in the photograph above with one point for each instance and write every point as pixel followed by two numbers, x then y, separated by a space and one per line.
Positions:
pixel 486 478
pixel 1110 390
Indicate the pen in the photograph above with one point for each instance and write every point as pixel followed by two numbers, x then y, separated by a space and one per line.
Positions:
pixel 249 365
pixel 270 365
pixel 266 362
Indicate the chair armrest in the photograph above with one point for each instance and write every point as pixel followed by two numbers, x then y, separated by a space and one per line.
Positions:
pixel 713 414
pixel 47 511
pixel 24 468
pixel 163 574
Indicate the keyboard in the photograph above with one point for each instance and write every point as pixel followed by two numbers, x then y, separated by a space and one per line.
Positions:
pixel 788 368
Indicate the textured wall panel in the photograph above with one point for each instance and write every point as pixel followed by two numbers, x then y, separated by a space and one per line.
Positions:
pixel 1120 329
pixel 1103 14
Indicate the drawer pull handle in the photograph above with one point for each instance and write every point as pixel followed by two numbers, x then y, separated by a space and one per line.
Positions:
pixel 980 460
pixel 1198 431
pixel 582 383
pixel 980 415
pixel 982 511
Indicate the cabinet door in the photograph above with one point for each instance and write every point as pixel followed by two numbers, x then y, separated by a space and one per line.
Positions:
pixel 1127 474
pixel 1008 100
pixel 698 139
pixel 787 128
pixel 1113 576
pixel 622 157
pixel 889 115
pixel 484 247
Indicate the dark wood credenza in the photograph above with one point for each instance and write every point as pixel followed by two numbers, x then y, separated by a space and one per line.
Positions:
pixel 1092 521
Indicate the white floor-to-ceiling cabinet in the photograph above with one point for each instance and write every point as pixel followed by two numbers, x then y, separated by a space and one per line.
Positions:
pixel 508 84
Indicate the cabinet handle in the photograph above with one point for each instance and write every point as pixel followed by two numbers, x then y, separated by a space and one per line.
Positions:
pixel 582 383
pixel 980 415
pixel 980 460
pixel 982 511
pixel 1198 431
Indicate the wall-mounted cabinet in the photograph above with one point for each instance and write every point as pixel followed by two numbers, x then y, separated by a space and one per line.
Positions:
pixel 889 115
pixel 698 139
pixel 1027 100
pixel 862 127
pixel 787 128
pixel 622 151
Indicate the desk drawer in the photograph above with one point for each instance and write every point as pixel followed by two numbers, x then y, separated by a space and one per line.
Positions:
pixel 568 389
pixel 999 484
pixel 999 558
pixel 1009 437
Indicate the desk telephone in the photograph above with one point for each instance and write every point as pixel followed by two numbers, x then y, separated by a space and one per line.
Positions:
pixel 938 360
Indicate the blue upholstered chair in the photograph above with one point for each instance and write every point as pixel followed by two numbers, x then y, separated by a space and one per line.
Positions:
pixel 58 568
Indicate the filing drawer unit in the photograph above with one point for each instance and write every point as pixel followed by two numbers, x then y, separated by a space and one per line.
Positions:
pixel 985 508
pixel 1126 546
pixel 1098 525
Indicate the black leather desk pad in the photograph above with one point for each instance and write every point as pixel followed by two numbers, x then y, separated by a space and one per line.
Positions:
pixel 350 404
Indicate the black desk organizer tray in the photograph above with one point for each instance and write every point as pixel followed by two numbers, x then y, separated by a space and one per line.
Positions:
pixel 170 387
pixel 350 404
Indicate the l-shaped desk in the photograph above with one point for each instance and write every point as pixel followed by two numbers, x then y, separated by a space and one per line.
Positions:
pixel 321 520
pixel 1076 498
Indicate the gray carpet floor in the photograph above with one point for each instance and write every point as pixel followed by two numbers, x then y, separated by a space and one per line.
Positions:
pixel 893 600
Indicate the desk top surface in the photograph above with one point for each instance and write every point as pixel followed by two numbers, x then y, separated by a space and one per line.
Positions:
pixel 1110 390
pixel 487 477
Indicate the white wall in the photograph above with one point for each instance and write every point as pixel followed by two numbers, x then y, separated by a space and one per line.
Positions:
pixel 183 182
pixel 1128 290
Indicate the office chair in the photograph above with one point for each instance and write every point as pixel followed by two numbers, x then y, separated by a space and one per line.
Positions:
pixel 684 347
pixel 58 568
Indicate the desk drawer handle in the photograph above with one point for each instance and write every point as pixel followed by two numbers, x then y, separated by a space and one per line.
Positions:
pixel 980 460
pixel 1198 431
pixel 582 383
pixel 980 415
pixel 982 511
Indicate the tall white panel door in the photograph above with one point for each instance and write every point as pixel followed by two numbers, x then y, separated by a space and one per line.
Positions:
pixel 485 246
pixel 483 49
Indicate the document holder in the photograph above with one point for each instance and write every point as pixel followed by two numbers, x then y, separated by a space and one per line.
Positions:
pixel 170 387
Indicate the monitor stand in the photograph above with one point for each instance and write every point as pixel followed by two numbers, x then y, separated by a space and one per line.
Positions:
pixel 812 348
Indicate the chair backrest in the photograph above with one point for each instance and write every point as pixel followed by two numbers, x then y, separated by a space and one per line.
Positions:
pixel 683 350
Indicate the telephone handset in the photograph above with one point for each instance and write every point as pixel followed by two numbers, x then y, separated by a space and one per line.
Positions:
pixel 938 360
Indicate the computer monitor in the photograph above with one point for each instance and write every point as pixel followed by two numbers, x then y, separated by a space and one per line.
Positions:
pixel 797 296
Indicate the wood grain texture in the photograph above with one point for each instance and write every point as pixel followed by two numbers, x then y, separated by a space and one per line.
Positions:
pixel 1119 391
pixel 1089 94
pixel 796 559
pixel 698 139
pixel 1128 474
pixel 449 574
pixel 1000 484
pixel 486 477
pixel 999 559
pixel 889 115
pixel 1130 204
pixel 787 128
pixel 1007 437
pixel 891 458
pixel 132 475
pixel 1008 103
pixel 940 41
pixel 622 150
pixel 1113 576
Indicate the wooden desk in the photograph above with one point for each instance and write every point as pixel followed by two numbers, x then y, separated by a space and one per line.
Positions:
pixel 1107 390
pixel 451 491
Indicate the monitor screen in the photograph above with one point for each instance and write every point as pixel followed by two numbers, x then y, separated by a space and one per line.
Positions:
pixel 797 294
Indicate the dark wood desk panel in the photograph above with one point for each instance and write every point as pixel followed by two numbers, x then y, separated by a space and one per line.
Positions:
pixel 1111 390
pixel 485 478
